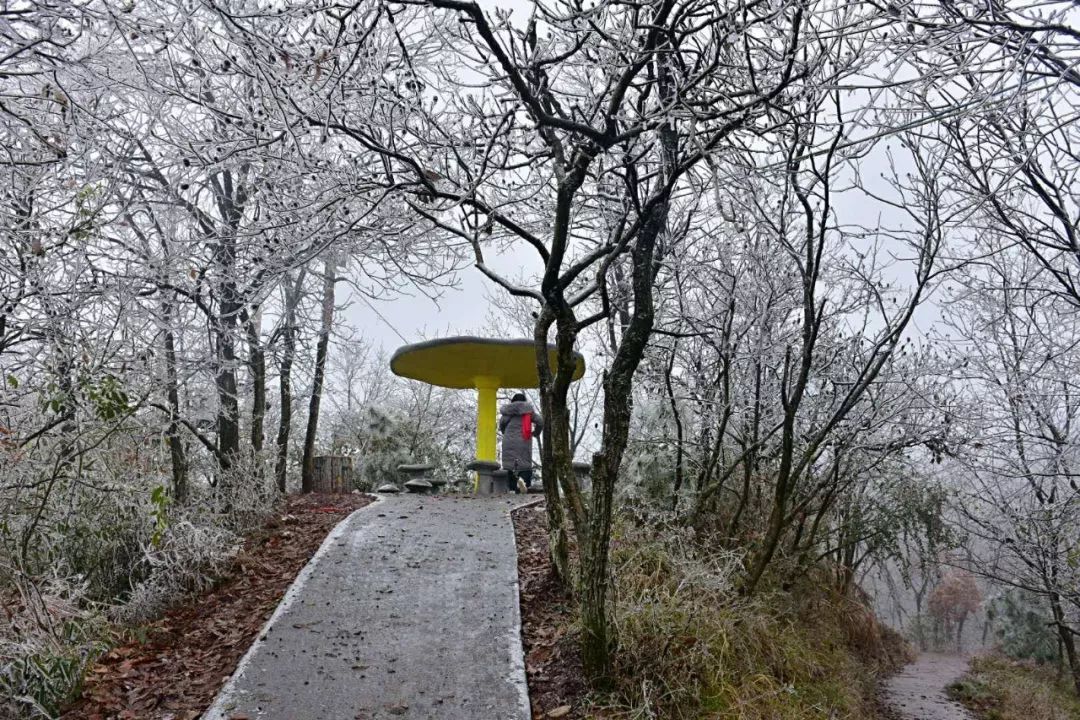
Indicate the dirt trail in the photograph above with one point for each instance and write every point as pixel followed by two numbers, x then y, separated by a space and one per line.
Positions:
pixel 918 692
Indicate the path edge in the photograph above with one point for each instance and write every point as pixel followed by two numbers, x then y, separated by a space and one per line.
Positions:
pixel 218 709
pixel 517 640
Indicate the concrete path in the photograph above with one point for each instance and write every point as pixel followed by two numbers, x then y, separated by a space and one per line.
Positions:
pixel 918 692
pixel 409 610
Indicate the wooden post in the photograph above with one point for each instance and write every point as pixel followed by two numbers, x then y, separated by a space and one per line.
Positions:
pixel 332 474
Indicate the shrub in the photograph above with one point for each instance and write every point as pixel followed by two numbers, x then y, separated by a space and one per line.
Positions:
pixel 74 540
pixel 188 559
pixel 380 439
pixel 1019 620
pixel 51 637
pixel 243 497
pixel 691 647
pixel 997 688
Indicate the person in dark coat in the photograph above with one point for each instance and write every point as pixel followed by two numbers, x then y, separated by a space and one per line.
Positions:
pixel 519 423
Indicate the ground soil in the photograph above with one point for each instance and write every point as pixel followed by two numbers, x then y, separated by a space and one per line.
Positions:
pixel 171 669
pixel 552 659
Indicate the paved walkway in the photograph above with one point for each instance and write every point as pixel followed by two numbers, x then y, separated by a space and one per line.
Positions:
pixel 409 610
pixel 918 693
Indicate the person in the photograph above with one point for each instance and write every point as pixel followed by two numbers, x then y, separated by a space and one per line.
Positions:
pixel 519 423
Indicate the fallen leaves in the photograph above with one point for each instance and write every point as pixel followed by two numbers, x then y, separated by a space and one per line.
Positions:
pixel 552 660
pixel 189 653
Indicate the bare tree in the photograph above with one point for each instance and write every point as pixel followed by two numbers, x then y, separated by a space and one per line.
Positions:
pixel 291 291
pixel 329 279
pixel 1020 495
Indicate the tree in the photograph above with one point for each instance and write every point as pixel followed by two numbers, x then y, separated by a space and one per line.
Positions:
pixel 1019 494
pixel 586 137
pixel 291 291
pixel 785 327
pixel 614 159
pixel 329 278
pixel 953 601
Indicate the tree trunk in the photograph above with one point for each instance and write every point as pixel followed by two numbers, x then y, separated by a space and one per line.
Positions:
pixel 257 367
pixel 677 417
pixel 558 543
pixel 228 417
pixel 559 438
pixel 782 492
pixel 307 474
pixel 230 199
pixel 596 642
pixel 172 433
pixel 750 463
pixel 288 352
pixel 920 627
pixel 770 542
pixel 847 563
pixel 618 406
pixel 1068 641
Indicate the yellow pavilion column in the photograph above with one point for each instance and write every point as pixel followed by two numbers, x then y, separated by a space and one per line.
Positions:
pixel 485 418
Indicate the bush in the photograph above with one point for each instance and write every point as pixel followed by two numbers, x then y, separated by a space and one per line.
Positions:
pixel 380 439
pixel 75 540
pixel 242 499
pixel 1019 620
pixel 997 688
pixel 187 559
pixel 51 637
pixel 691 647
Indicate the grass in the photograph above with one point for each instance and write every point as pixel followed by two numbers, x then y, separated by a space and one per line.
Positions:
pixel 691 647
pixel 997 688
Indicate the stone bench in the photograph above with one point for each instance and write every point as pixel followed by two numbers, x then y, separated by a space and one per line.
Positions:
pixel 415 469
pixel 420 486
pixel 419 480
pixel 491 480
pixel 416 480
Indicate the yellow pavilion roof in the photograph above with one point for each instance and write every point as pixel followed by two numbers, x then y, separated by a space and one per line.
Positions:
pixel 466 362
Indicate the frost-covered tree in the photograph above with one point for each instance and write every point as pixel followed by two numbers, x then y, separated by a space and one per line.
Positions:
pixel 1016 350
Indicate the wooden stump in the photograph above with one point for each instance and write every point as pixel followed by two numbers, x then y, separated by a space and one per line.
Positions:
pixel 333 474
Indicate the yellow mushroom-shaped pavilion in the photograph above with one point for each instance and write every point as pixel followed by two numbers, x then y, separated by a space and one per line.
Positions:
pixel 483 364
